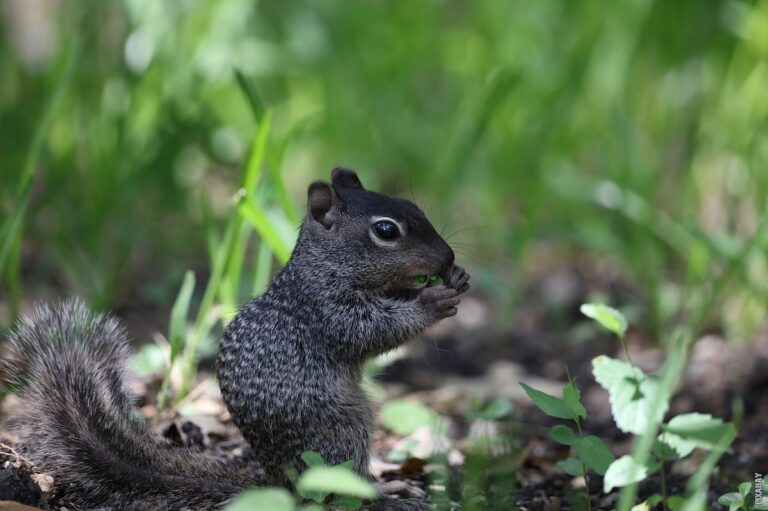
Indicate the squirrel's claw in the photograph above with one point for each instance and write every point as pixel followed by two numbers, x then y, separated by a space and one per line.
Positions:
pixel 458 279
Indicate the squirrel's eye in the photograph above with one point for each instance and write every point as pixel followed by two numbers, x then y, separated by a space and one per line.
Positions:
pixel 386 230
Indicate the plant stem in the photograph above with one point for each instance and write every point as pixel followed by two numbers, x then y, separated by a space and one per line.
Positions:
pixel 663 486
pixel 626 351
pixel 586 475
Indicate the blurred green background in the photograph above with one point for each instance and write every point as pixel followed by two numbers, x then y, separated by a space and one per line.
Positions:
pixel 628 138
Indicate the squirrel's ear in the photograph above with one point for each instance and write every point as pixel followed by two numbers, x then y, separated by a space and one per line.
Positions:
pixel 345 178
pixel 322 204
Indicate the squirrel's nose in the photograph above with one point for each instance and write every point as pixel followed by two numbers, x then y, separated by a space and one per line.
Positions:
pixel 446 256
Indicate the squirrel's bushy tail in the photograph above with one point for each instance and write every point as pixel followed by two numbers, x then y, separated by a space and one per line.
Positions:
pixel 77 420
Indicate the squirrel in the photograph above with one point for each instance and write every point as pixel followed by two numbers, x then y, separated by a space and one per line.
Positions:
pixel 364 278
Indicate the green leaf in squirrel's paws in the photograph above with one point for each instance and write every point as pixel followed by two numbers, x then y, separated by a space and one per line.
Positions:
pixel 274 499
pixel 551 405
pixel 633 395
pixel 435 280
pixel 594 453
pixel 608 317
pixel 562 434
pixel 571 466
pixel 312 459
pixel 622 472
pixel 572 398
pixel 339 480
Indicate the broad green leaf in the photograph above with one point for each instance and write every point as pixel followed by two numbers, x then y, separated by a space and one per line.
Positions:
pixel 622 472
pixel 594 453
pixel 572 467
pixel 572 398
pixel 562 434
pixel 671 447
pixel 312 459
pixel 608 317
pixel 675 503
pixel 551 405
pixel 745 488
pixel 274 499
pixel 405 416
pixel 731 499
pixel 632 394
pixel 338 480
pixel 700 429
pixel 763 506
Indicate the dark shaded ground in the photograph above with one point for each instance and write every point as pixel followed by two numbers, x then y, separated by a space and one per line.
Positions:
pixel 467 360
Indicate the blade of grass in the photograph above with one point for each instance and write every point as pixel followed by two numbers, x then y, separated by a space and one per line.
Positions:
pixel 268 232
pixel 251 93
pixel 10 233
pixel 177 331
pixel 202 323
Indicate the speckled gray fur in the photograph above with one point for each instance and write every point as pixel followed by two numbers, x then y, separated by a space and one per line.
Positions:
pixel 290 363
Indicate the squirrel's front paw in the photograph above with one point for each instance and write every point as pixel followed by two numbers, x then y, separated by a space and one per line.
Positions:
pixel 440 300
pixel 457 278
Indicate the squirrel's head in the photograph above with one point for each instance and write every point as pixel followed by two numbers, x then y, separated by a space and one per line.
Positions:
pixel 382 243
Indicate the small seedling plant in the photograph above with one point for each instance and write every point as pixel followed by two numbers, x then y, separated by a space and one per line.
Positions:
pixel 590 452
pixel 741 499
pixel 638 401
pixel 318 488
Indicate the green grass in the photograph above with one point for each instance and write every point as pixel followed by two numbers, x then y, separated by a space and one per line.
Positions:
pixel 600 129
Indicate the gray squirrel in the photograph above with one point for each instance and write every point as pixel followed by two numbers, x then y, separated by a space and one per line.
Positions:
pixel 364 278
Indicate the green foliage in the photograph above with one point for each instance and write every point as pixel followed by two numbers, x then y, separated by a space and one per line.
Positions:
pixel 594 453
pixel 274 499
pixel 551 405
pixel 632 393
pixel 639 403
pixel 741 500
pixel 606 316
pixel 591 452
pixel 646 136
pixel 335 480
pixel 562 434
pixel 316 484
pixel 622 472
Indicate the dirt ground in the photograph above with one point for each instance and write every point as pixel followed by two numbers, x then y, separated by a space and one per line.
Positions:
pixel 473 359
